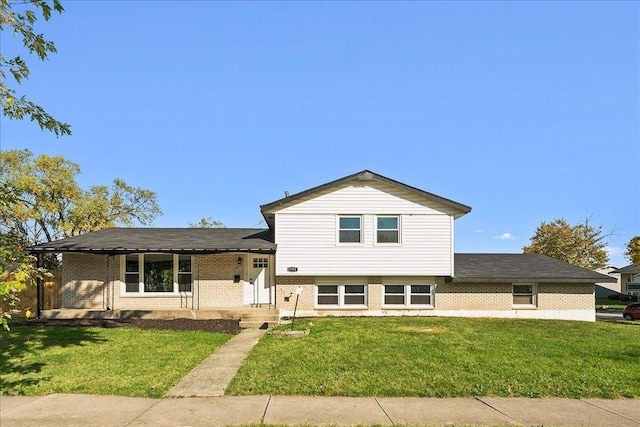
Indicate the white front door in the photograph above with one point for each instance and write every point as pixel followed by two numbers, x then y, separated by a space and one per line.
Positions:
pixel 257 288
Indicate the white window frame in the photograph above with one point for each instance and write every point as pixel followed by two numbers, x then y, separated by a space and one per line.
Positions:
pixel 338 229
pixel 533 294
pixel 633 288
pixel 399 230
pixel 407 293
pixel 141 291
pixel 341 284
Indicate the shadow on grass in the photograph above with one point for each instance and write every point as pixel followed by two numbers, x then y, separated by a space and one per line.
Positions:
pixel 621 322
pixel 24 349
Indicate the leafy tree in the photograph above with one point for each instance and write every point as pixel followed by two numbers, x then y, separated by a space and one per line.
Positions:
pixel 48 203
pixel 45 204
pixel 633 250
pixel 581 244
pixel 17 270
pixel 19 18
pixel 207 223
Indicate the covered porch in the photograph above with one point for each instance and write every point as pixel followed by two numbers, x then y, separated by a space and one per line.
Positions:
pixel 166 273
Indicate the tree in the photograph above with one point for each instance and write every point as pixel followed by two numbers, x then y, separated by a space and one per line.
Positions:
pixel 207 223
pixel 21 24
pixel 48 204
pixel 580 244
pixel 17 270
pixel 633 250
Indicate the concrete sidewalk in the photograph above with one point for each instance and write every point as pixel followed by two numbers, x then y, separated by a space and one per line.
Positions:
pixel 212 376
pixel 89 410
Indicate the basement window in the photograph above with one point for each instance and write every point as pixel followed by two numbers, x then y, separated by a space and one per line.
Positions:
pixel 524 295
pixel 401 295
pixel 341 295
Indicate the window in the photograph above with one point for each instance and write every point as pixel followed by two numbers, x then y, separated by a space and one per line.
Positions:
pixel 184 273
pixel 408 294
pixel 350 229
pixel 388 229
pixel 260 262
pixel 157 273
pixel 132 273
pixel 524 294
pixel 341 295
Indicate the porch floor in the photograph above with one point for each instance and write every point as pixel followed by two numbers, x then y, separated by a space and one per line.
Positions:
pixel 248 316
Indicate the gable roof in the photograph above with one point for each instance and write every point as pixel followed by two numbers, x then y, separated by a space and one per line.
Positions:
pixel 365 175
pixel 520 268
pixel 168 240
pixel 629 269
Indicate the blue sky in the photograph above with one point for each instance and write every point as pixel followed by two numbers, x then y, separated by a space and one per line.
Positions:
pixel 525 111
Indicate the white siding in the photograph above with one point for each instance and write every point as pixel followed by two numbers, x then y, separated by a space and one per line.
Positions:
pixel 306 235
pixel 372 198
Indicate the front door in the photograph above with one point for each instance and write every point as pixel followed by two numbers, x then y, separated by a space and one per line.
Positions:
pixel 257 289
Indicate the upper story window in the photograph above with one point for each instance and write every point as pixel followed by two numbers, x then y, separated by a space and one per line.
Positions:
pixel 157 273
pixel 350 229
pixel 387 229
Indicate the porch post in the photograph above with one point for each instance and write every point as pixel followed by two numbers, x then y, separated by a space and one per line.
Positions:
pixel 38 287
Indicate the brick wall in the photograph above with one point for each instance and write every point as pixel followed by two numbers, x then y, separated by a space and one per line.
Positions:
pixel 473 296
pixel 84 277
pixel 562 296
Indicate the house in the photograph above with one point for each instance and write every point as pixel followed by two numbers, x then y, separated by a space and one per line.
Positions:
pixel 362 245
pixel 603 290
pixel 629 279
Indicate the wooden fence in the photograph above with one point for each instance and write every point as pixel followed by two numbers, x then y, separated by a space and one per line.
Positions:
pixel 52 295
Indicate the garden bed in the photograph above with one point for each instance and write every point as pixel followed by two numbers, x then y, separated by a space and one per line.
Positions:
pixel 226 326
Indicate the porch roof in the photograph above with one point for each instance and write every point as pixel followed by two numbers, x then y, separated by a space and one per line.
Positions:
pixel 500 268
pixel 195 241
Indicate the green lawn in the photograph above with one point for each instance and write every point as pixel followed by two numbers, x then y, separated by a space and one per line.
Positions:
pixel 605 302
pixel 446 357
pixel 117 361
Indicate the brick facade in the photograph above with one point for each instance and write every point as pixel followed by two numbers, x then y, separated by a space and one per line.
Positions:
pixel 219 281
pixel 214 285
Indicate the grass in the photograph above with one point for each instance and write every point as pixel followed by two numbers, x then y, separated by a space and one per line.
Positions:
pixel 113 361
pixel 620 305
pixel 446 357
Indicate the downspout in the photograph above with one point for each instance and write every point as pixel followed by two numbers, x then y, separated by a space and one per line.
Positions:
pixel 198 265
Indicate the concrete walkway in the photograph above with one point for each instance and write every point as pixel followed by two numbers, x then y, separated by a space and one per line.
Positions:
pixel 212 376
pixel 88 410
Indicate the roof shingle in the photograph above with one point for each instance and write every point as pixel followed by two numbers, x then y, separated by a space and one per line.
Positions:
pixel 521 268
pixel 174 240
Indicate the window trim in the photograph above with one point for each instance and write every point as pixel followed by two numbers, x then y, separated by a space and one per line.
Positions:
pixel 341 284
pixel 339 229
pixel 141 292
pixel 533 294
pixel 398 230
pixel 407 294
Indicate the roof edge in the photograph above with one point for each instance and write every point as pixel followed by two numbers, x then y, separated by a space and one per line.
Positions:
pixel 366 175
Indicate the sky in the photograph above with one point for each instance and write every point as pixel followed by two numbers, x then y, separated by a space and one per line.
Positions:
pixel 525 111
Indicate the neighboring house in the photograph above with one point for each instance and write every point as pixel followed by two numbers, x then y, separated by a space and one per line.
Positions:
pixel 363 245
pixel 629 279
pixel 603 290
